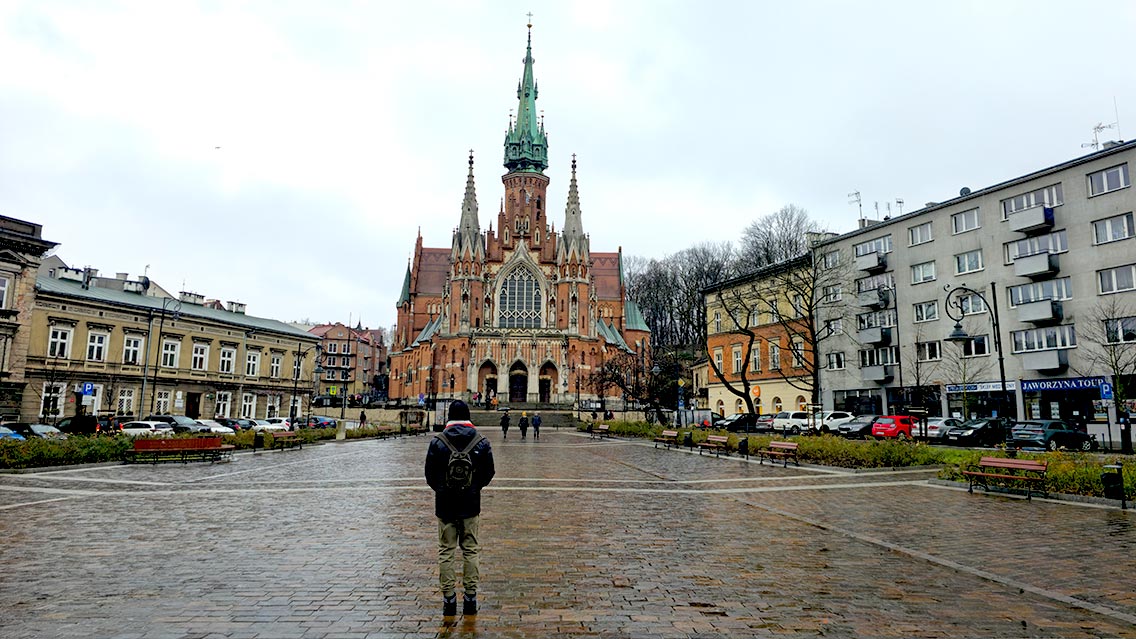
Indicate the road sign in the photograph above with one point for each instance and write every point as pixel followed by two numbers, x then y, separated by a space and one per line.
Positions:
pixel 88 388
pixel 681 383
pixel 681 405
pixel 1106 390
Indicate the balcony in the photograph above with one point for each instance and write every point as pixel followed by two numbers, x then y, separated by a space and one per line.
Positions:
pixel 1043 312
pixel 1053 361
pixel 1036 220
pixel 878 374
pixel 876 336
pixel 874 298
pixel 1037 267
pixel 872 262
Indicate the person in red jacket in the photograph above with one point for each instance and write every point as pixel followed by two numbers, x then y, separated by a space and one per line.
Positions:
pixel 458 509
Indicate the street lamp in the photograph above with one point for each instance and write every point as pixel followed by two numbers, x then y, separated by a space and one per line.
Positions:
pixel 301 353
pixel 167 304
pixel 960 336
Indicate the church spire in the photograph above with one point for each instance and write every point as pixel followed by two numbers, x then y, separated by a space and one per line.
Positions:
pixel 526 145
pixel 468 234
pixel 574 243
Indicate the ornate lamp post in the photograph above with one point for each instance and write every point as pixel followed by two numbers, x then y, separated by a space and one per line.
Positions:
pixel 167 304
pixel 960 336
pixel 301 353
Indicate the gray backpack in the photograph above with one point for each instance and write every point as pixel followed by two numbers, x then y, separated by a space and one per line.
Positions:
pixel 459 470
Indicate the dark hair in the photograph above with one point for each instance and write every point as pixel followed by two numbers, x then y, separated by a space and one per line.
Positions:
pixel 459 411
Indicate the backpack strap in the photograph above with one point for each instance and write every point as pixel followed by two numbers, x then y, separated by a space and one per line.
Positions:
pixel 477 437
pixel 446 441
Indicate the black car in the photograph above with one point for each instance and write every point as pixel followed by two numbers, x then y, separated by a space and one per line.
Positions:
pixel 180 423
pixel 988 432
pixel 79 425
pixel 1052 434
pixel 739 423
pixel 859 428
pixel 236 423
pixel 36 431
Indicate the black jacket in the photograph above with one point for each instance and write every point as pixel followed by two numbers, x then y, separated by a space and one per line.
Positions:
pixel 451 505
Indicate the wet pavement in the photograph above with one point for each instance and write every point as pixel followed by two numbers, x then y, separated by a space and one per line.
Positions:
pixel 580 538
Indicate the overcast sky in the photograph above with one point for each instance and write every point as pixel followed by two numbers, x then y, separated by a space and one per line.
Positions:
pixel 285 154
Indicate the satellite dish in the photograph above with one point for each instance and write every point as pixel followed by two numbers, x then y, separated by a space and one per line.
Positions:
pixel 964 191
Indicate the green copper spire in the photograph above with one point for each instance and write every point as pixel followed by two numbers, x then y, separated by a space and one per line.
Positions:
pixel 526 145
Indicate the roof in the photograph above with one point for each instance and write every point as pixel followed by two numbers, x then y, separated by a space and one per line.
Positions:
pixel 773 269
pixel 433 269
pixel 606 275
pixel 633 318
pixel 134 300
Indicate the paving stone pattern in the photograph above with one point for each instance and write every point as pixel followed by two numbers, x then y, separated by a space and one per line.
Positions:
pixel 581 538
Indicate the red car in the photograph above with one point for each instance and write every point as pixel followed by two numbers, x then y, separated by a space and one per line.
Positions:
pixel 893 427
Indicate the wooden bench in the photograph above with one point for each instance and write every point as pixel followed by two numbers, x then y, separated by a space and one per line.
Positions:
pixel 286 439
pixel 668 438
pixel 779 450
pixel 716 443
pixel 184 450
pixel 1026 471
pixel 601 431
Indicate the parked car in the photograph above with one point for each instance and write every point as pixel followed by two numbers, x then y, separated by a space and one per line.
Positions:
pixel 213 426
pixel 859 428
pixel 739 423
pixel 795 422
pixel 264 425
pixel 37 431
pixel 287 422
pixel 147 429
pixel 112 425
pixel 989 431
pixel 1052 434
pixel 320 421
pixel 236 423
pixel 894 427
pixel 937 427
pixel 8 433
pixel 180 423
pixel 764 423
pixel 830 420
pixel 89 425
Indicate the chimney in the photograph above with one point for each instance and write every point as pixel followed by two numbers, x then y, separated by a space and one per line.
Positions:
pixel 191 298
pixel 121 276
pixel 236 307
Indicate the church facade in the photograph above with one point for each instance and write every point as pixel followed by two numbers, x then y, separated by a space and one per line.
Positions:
pixel 520 311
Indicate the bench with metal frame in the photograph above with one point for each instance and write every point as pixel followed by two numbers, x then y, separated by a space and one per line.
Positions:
pixel 1028 472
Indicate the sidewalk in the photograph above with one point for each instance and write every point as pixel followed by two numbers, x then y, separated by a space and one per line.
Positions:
pixel 581 538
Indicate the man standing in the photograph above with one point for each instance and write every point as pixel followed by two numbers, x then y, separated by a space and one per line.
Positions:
pixel 459 463
pixel 536 425
pixel 505 425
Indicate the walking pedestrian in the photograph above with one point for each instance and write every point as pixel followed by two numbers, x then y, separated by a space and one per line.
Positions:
pixel 505 424
pixel 523 424
pixel 362 418
pixel 459 463
pixel 536 425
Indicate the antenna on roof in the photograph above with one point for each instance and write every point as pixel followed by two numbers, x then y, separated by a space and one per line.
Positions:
pixel 1095 144
pixel 899 203
pixel 854 198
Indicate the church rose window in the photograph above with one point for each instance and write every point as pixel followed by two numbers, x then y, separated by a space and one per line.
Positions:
pixel 520 300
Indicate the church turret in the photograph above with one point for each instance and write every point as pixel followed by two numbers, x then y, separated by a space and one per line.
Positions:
pixel 468 243
pixel 526 145
pixel 573 246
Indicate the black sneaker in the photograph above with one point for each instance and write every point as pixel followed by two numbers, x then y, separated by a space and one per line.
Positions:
pixel 450 606
pixel 469 605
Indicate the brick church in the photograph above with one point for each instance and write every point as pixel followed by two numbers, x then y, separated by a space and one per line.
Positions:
pixel 519 311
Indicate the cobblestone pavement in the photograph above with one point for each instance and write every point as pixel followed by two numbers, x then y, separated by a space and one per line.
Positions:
pixel 580 539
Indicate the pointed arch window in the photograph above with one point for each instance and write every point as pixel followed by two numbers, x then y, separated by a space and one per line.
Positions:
pixel 520 300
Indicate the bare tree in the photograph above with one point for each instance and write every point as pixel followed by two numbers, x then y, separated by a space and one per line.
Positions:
pixel 57 376
pixel 958 368
pixel 1108 345
pixel 669 291
pixel 651 382
pixel 775 238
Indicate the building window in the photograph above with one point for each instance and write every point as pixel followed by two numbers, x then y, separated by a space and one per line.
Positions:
pixel 927 311
pixel 774 356
pixel 924 272
pixel 96 347
pixel 737 360
pixel 1057 290
pixel 1120 331
pixel 520 300
pixel 59 343
pixel 718 359
pixel 347 347
pixel 333 347
pixel 830 260
pixel 274 367
pixel 125 402
pixel 272 406
pixel 4 282
pixel 171 349
pixel 717 322
pixel 52 400
pixel 228 359
pixel 777 405
pixel 971 304
pixel 928 351
pixel 224 404
pixel 162 402
pixel 833 327
pixel 1107 180
pixel 248 405
pixel 754 316
pixel 835 361
pixel 876 319
pixel 1047 196
pixel 875 282
pixel 879 356
pixel 1112 229
pixel 200 357
pixel 1055 242
pixel 965 221
pixel 1044 339
pixel 920 234
pixel 1114 280
pixel 132 350
pixel 832 294
pixel 798 305
pixel 798 349
pixel 977 346
pixel 297 365
pixel 879 245
pixel 968 262
pixel 252 364
pixel 755 357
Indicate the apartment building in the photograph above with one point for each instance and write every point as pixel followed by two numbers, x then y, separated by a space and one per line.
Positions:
pixel 354 361
pixel 1050 262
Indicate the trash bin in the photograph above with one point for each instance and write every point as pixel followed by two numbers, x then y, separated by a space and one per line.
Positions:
pixel 258 440
pixel 688 440
pixel 1113 482
pixel 743 447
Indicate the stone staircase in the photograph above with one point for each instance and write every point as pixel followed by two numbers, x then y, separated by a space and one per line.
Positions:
pixel 550 420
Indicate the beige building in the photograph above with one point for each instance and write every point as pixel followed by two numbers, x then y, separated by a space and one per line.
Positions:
pixel 21 249
pixel 119 350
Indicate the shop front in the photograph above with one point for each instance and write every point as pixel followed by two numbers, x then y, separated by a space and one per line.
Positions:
pixel 980 399
pixel 1070 400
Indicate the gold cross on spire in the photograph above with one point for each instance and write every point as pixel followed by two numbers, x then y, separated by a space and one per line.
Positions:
pixel 529 14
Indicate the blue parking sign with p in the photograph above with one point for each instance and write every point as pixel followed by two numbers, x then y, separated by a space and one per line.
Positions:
pixel 88 388
pixel 1106 390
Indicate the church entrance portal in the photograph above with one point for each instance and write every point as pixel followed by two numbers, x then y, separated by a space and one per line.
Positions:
pixel 518 383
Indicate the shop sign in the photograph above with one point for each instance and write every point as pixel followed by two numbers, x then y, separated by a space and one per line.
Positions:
pixel 1073 383
pixel 980 387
